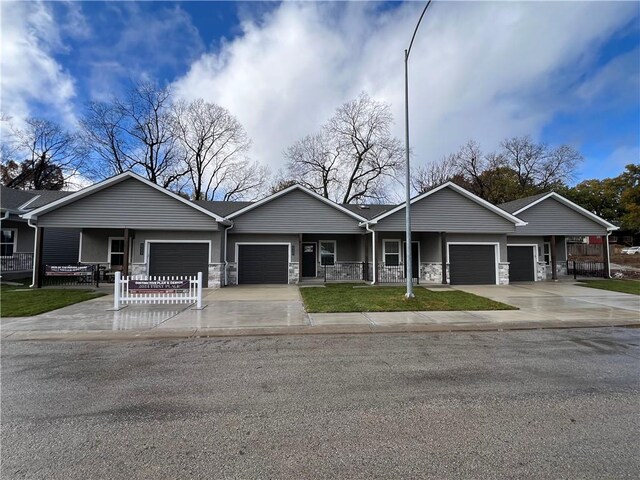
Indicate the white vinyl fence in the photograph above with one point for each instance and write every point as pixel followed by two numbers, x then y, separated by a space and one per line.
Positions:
pixel 157 289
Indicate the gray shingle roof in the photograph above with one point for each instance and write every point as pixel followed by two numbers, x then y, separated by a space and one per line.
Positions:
pixel 11 199
pixel 516 205
pixel 46 196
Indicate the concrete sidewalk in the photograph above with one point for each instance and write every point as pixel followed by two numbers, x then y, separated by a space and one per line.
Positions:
pixel 279 311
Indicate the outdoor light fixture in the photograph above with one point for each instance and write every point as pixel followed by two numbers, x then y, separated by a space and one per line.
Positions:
pixel 408 254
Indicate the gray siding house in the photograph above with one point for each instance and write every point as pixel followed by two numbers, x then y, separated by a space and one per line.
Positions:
pixel 538 250
pixel 17 240
pixel 129 224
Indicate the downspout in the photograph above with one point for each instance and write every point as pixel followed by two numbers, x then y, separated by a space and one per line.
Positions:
pixel 374 261
pixel 607 246
pixel 226 262
pixel 6 215
pixel 35 246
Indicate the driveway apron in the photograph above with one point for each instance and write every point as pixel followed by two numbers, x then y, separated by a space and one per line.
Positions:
pixel 245 306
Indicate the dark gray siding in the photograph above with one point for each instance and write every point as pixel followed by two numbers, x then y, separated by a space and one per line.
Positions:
pixel 61 246
pixel 448 211
pixel 551 217
pixel 295 212
pixel 129 203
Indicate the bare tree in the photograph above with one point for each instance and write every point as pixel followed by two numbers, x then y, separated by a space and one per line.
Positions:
pixel 135 132
pixel 213 145
pixel 520 167
pixel 41 155
pixel 426 177
pixel 315 159
pixel 354 156
pixel 104 133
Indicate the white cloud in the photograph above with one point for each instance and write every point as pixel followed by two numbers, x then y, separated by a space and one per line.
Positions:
pixel 483 70
pixel 29 72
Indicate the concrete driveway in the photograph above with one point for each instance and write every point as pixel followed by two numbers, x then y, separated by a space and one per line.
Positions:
pixel 264 309
pixel 245 306
pixel 561 300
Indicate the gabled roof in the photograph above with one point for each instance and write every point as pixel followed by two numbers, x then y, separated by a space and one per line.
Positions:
pixel 112 181
pixel 459 190
pixel 519 203
pixel 529 202
pixel 222 208
pixel 281 193
pixel 368 211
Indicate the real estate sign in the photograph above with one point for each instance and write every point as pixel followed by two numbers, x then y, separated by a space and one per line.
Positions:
pixel 67 270
pixel 158 286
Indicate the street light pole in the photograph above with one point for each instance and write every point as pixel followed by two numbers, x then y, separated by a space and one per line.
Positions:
pixel 409 252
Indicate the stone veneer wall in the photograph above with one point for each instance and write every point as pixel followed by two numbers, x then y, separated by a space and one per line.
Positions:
pixel 232 273
pixel 503 273
pixel 561 269
pixel 541 271
pixel 432 272
pixel 215 273
pixel 294 273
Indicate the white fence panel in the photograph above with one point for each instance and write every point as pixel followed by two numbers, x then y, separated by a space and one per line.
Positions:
pixel 161 290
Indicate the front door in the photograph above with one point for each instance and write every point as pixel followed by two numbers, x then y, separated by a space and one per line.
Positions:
pixel 415 259
pixel 308 259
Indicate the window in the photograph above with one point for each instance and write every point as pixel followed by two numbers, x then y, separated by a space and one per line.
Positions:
pixel 327 252
pixel 547 253
pixel 116 252
pixel 391 252
pixel 8 244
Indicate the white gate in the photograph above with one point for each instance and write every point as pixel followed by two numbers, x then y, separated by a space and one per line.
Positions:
pixel 157 289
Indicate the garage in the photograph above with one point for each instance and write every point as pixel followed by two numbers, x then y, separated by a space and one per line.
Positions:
pixel 179 259
pixel 472 264
pixel 521 263
pixel 264 263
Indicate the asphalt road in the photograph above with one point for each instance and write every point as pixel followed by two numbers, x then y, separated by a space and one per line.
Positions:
pixel 539 404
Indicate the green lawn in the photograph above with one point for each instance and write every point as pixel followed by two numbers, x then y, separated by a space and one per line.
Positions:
pixel 615 285
pixel 16 303
pixel 345 298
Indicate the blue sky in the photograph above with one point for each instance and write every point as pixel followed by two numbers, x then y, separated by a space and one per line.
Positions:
pixel 561 72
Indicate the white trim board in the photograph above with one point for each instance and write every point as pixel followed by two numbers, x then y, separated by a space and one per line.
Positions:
pixel 335 251
pixel 288 244
pixel 291 189
pixel 496 256
pixel 15 238
pixel 96 187
pixel 384 250
pixel 512 218
pixel 571 205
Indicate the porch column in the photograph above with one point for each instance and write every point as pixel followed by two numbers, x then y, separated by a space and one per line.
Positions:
pixel 443 246
pixel 374 261
pixel 300 258
pixel 554 259
pixel 37 261
pixel 125 266
pixel 605 256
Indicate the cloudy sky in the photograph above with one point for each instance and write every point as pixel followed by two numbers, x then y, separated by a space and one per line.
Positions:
pixel 561 72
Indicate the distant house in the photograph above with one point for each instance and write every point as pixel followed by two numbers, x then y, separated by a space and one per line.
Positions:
pixel 17 242
pixel 130 224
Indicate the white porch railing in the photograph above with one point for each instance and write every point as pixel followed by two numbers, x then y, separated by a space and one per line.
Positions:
pixel 157 289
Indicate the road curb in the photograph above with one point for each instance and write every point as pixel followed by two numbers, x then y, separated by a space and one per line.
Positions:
pixel 159 334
